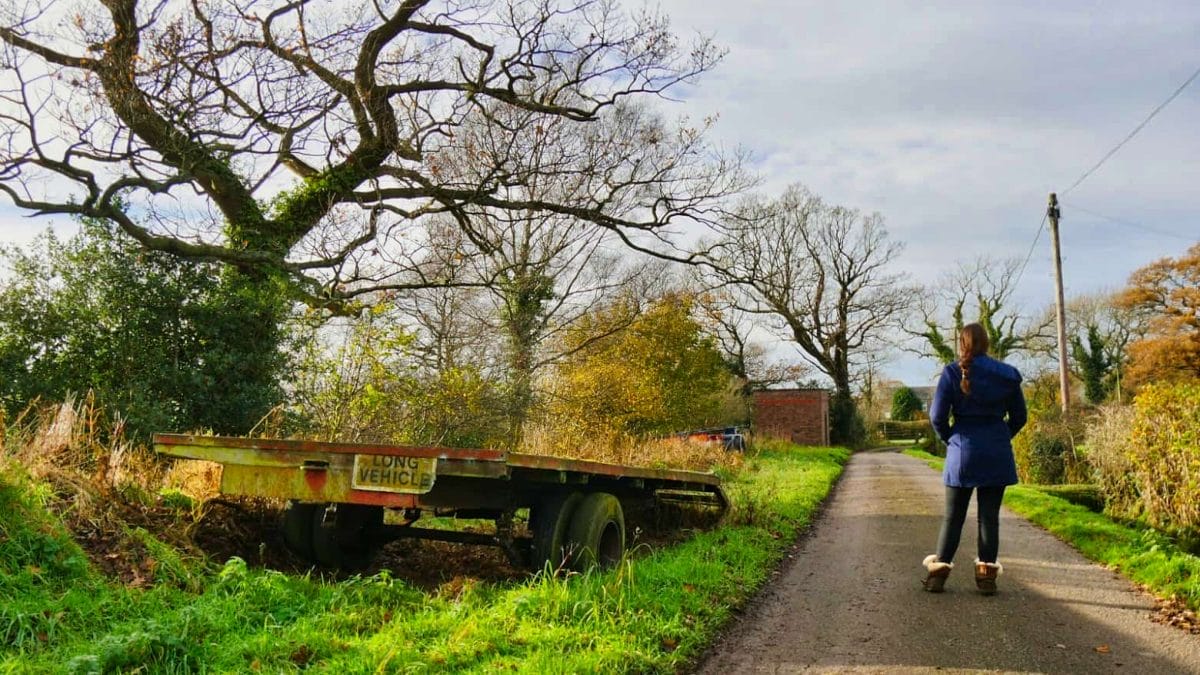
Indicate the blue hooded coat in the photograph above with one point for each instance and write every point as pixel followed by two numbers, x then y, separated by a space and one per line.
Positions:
pixel 979 442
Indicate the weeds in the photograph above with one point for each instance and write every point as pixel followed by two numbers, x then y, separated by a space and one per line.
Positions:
pixel 71 459
pixel 620 448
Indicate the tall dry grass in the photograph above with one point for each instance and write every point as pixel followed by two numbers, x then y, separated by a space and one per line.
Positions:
pixel 76 449
pixel 622 448
pixel 108 490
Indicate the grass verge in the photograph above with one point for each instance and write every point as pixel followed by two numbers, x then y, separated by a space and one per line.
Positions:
pixel 656 612
pixel 1143 555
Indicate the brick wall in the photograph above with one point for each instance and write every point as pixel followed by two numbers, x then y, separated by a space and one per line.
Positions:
pixel 798 415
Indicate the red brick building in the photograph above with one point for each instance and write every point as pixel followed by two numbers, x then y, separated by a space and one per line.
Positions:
pixel 798 415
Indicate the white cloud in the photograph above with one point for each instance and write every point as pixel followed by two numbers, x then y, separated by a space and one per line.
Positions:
pixel 955 119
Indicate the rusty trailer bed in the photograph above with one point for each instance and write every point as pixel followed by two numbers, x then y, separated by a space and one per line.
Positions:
pixel 338 492
pixel 315 471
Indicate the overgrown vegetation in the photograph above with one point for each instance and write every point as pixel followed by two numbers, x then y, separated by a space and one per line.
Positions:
pixel 654 613
pixel 1045 449
pixel 361 381
pixel 660 374
pixel 1147 459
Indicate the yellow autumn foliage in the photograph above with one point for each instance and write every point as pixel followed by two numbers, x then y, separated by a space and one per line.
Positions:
pixel 658 375
pixel 1146 456
pixel 1165 453
pixel 630 383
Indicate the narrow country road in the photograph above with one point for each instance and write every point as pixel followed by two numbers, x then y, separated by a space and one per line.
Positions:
pixel 851 601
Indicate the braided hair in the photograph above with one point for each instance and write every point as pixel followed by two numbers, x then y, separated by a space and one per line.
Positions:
pixel 972 341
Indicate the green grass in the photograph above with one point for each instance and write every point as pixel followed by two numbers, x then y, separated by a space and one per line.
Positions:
pixel 654 613
pixel 1143 555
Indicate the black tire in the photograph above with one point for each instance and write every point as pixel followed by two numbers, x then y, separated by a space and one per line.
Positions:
pixel 550 522
pixel 597 535
pixel 298 529
pixel 346 543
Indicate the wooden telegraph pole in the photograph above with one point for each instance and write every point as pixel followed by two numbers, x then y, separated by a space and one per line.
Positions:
pixel 1061 313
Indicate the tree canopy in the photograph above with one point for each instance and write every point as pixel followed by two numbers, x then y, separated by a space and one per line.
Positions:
pixel 156 339
pixel 660 374
pixel 905 404
pixel 304 139
pixel 819 272
pixel 979 291
pixel 1167 293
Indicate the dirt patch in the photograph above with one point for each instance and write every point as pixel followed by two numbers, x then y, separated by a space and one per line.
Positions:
pixel 110 542
pixel 251 529
pixel 445 567
pixel 246 528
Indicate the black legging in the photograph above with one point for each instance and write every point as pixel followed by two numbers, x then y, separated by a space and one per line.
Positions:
pixel 957 500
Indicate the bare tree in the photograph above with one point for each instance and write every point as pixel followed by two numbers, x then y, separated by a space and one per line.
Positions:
pixel 449 323
pixel 981 291
pixel 747 358
pixel 1100 329
pixel 303 138
pixel 537 275
pixel 820 272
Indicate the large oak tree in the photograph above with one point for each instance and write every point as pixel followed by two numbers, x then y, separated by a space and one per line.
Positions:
pixel 305 143
pixel 301 140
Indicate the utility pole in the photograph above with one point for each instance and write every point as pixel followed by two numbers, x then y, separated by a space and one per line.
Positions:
pixel 1061 314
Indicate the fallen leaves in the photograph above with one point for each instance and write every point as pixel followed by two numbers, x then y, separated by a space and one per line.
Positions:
pixel 1173 612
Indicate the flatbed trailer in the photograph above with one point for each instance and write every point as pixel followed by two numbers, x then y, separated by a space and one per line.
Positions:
pixel 337 493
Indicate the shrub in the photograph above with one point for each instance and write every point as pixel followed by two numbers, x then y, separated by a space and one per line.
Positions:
pixel 846 425
pixel 932 444
pixel 367 388
pixel 1164 452
pixel 905 404
pixel 1108 436
pixel 660 374
pixel 1046 450
pixel 1088 496
pixel 1039 454
pixel 167 344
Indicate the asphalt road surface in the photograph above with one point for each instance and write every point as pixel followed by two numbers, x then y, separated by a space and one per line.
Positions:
pixel 850 598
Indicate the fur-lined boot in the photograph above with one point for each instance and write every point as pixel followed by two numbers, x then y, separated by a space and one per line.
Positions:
pixel 936 573
pixel 985 576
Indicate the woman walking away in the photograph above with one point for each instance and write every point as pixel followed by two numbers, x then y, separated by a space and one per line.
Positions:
pixel 984 396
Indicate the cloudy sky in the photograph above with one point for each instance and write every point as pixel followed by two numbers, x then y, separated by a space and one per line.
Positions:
pixel 955 119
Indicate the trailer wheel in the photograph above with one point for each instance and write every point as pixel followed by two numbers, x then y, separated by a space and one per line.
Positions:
pixel 550 520
pixel 597 532
pixel 298 529
pixel 346 542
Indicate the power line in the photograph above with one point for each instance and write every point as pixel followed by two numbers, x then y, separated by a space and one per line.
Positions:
pixel 1133 133
pixel 1084 176
pixel 1130 223
pixel 1032 246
